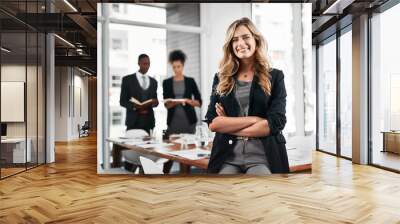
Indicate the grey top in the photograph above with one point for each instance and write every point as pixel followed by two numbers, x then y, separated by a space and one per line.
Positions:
pixel 179 88
pixel 242 95
pixel 180 122
pixel 246 152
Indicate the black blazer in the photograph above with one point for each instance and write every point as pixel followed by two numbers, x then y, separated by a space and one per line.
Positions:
pixel 190 90
pixel 271 107
pixel 131 88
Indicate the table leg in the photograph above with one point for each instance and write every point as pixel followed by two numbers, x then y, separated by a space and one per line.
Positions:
pixel 117 155
pixel 184 168
pixel 384 143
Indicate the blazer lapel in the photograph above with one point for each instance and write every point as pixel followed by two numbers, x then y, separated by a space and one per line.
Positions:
pixel 253 88
pixel 257 97
pixel 230 104
pixel 187 88
pixel 170 88
pixel 135 81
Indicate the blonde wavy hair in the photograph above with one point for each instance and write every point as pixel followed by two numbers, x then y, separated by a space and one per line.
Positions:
pixel 229 64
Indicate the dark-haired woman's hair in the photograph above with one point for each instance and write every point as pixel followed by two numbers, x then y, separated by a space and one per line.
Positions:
pixel 177 55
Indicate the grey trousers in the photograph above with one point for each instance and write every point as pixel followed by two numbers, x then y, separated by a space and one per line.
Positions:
pixel 255 169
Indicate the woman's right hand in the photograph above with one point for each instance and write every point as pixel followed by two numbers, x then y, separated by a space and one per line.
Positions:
pixel 220 110
pixel 170 104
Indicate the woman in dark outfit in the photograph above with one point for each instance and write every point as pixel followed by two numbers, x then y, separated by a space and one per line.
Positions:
pixel 247 107
pixel 181 114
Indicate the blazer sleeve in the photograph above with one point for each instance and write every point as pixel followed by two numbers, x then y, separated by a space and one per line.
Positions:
pixel 276 112
pixel 196 92
pixel 154 93
pixel 214 98
pixel 166 93
pixel 124 96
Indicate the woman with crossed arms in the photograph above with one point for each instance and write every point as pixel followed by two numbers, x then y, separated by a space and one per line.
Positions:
pixel 247 107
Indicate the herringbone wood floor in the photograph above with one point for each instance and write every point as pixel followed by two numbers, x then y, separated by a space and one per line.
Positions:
pixel 70 191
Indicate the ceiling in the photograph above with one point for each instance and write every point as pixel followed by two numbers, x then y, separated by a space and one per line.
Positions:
pixel 332 15
pixel 76 22
pixel 76 25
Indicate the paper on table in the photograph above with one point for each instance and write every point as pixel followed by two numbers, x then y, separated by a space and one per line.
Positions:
pixel 182 141
pixel 162 149
pixel 114 140
pixel 191 154
pixel 136 142
pixel 186 138
pixel 154 145
pixel 124 137
pixel 132 141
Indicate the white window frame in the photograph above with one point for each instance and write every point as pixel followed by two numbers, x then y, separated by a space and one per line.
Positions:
pixel 104 19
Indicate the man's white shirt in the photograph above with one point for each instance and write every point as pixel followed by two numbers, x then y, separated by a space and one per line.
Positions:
pixel 144 80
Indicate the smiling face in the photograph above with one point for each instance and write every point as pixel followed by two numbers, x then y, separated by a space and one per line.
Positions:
pixel 243 43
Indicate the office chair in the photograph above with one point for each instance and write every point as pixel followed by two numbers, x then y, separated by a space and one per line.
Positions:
pixel 149 166
pixel 84 130
pixel 132 161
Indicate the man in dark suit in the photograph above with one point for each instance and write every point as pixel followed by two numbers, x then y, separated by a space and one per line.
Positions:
pixel 143 88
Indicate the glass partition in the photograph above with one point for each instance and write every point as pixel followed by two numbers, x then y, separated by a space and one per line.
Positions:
pixel 327 96
pixel 15 151
pixel 22 89
pixel 346 94
pixel 385 89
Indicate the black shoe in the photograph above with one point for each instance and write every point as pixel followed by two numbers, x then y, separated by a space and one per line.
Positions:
pixel 130 166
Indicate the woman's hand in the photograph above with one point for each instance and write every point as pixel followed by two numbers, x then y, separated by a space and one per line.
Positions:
pixel 187 101
pixel 220 110
pixel 193 103
pixel 170 104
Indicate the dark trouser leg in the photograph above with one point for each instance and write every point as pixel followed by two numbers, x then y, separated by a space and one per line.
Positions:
pixel 130 166
pixel 167 166
pixel 141 171
pixel 142 122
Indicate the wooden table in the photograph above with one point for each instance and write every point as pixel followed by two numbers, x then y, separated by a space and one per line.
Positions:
pixel 185 164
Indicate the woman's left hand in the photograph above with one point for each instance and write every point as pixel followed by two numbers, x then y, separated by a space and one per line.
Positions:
pixel 188 101
pixel 220 110
pixel 193 103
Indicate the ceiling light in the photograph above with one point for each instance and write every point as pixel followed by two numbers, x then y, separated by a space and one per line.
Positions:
pixel 337 7
pixel 5 50
pixel 64 40
pixel 79 51
pixel 84 71
pixel 70 5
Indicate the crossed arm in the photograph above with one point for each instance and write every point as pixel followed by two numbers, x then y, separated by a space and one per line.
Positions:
pixel 251 126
